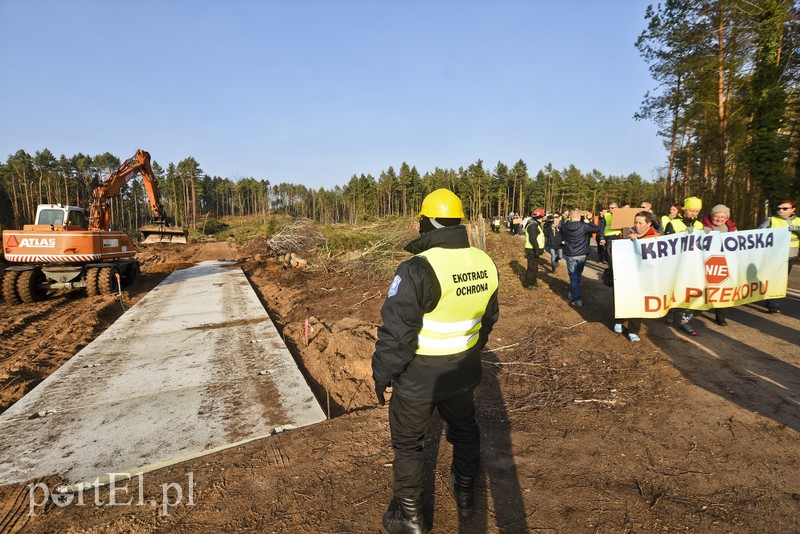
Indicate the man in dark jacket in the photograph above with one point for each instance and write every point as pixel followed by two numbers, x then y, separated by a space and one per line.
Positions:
pixel 552 240
pixel 576 235
pixel 437 316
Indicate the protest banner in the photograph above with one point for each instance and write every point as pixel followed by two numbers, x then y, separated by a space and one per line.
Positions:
pixel 699 271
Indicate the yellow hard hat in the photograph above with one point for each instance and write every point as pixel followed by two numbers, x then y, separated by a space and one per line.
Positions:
pixel 442 203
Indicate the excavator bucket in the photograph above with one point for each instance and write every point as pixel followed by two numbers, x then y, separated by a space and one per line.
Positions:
pixel 159 233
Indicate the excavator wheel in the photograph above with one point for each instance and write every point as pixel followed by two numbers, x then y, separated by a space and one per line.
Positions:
pixel 10 287
pixel 132 275
pixel 28 285
pixel 107 281
pixel 91 281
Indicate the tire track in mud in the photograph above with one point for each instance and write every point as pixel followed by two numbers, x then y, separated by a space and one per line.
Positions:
pixel 36 339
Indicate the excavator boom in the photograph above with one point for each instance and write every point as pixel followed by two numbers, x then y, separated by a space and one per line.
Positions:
pixel 160 228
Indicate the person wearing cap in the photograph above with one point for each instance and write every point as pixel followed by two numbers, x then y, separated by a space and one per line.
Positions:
pixel 534 246
pixel 686 222
pixel 719 220
pixel 439 311
pixel 785 217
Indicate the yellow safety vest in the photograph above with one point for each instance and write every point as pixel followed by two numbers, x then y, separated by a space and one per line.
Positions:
pixel 468 278
pixel 665 220
pixel 780 222
pixel 539 238
pixel 679 226
pixel 607 230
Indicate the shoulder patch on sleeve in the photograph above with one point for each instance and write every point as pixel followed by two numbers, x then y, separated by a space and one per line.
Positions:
pixel 395 285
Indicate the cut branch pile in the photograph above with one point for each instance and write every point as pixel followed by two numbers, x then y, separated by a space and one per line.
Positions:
pixel 301 234
pixel 536 373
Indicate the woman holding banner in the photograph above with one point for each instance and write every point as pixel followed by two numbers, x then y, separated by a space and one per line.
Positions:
pixel 785 218
pixel 719 220
pixel 687 222
pixel 642 229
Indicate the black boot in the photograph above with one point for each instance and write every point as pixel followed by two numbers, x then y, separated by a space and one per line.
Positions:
pixel 464 491
pixel 404 516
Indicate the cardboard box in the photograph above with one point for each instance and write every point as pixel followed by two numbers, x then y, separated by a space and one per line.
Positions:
pixel 623 217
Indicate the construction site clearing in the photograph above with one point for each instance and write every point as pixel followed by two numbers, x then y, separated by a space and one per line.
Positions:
pixel 581 430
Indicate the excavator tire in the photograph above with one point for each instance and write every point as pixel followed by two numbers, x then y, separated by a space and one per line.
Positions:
pixel 132 274
pixel 107 281
pixel 28 286
pixel 91 281
pixel 10 288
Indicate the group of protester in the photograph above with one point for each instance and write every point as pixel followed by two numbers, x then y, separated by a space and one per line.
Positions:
pixel 570 240
pixel 441 307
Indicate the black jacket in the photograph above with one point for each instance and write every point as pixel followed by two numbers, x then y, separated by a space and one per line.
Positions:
pixel 416 292
pixel 552 236
pixel 576 235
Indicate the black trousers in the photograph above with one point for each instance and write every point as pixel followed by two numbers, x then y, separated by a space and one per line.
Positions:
pixel 409 421
pixel 532 272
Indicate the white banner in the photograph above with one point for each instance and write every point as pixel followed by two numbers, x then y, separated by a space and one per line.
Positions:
pixel 699 271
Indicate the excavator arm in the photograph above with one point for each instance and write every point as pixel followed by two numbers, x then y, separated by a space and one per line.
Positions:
pixel 160 228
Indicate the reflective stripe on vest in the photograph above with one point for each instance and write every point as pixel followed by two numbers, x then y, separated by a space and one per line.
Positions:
pixel 780 222
pixel 468 278
pixel 679 226
pixel 607 230
pixel 539 238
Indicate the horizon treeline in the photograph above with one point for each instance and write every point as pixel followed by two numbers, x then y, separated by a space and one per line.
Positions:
pixel 190 196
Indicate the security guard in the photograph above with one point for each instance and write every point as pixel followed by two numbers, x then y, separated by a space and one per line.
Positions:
pixel 534 246
pixel 437 316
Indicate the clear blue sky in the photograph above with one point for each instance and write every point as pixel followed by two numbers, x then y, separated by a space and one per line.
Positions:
pixel 312 92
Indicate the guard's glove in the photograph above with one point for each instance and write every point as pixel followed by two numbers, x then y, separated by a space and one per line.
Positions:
pixel 794 228
pixel 379 389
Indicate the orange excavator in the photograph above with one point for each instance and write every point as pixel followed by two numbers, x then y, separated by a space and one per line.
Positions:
pixel 65 249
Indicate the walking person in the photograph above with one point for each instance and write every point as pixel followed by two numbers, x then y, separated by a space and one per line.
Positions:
pixel 719 220
pixel 642 229
pixel 785 217
pixel 439 311
pixel 576 235
pixel 534 246
pixel 687 222
pixel 552 240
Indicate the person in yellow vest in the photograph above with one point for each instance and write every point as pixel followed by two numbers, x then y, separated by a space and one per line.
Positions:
pixel 534 246
pixel 674 211
pixel 439 311
pixel 687 222
pixel 785 217
pixel 606 233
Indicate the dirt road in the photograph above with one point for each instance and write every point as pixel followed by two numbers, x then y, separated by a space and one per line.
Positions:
pixel 582 430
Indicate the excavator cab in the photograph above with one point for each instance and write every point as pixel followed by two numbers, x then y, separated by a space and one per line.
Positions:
pixel 58 215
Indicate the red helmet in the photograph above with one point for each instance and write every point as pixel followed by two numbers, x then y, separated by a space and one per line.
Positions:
pixel 538 212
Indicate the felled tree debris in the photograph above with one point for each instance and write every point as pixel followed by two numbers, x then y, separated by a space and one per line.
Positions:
pixel 290 259
pixel 301 234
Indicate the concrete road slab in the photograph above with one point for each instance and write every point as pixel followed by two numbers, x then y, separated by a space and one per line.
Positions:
pixel 194 367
